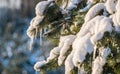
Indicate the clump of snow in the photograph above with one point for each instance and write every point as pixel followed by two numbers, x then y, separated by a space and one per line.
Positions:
pixel 118 5
pixel 118 12
pixel 100 60
pixel 90 32
pixel 69 63
pixel 82 46
pixel 54 53
pixel 116 17
pixel 41 7
pixel 66 46
pixel 94 11
pixel 110 6
pixel 38 65
pixel 105 25
pixel 88 26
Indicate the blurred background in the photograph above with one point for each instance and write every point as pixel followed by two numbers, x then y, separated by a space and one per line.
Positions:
pixel 15 56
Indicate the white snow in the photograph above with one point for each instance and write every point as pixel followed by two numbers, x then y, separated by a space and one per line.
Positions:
pixel 53 54
pixel 118 5
pixel 41 7
pixel 100 61
pixel 105 25
pixel 69 63
pixel 38 65
pixel 82 46
pixel 110 6
pixel 94 11
pixel 35 22
pixel 66 46
pixel 116 17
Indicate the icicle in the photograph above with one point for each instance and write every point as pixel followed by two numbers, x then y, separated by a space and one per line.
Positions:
pixel 31 32
pixel 45 31
pixel 100 61
pixel 41 37
pixel 94 11
pixel 34 28
pixel 67 43
pixel 94 53
pixel 31 44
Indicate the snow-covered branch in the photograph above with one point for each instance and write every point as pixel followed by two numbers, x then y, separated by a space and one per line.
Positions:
pixel 100 18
